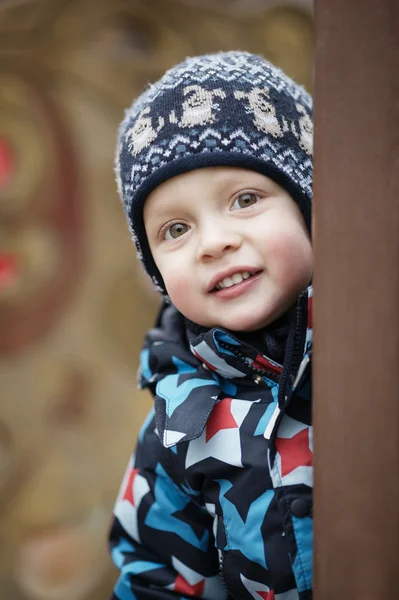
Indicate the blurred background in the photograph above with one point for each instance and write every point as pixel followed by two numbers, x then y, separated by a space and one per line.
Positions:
pixel 74 305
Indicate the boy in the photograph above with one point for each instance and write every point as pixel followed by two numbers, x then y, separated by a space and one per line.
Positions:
pixel 214 168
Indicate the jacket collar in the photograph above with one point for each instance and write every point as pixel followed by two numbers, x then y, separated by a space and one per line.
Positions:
pixel 220 350
pixel 189 371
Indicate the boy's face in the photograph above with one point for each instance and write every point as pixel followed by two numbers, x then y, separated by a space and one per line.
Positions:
pixel 231 245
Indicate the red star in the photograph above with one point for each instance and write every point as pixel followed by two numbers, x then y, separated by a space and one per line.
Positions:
pixel 182 586
pixel 266 595
pixel 294 452
pixel 221 418
pixel 128 493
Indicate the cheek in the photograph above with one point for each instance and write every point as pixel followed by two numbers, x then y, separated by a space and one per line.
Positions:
pixel 184 294
pixel 290 258
pixel 178 285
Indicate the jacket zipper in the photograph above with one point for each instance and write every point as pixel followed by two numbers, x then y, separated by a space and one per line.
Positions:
pixel 294 350
pixel 221 575
pixel 243 358
pixel 221 572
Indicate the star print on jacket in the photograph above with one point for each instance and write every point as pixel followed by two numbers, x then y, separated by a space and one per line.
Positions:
pixel 204 509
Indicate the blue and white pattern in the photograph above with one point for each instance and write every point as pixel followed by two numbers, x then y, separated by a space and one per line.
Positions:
pixel 221 482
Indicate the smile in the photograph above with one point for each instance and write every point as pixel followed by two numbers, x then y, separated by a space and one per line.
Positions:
pixel 231 277
pixel 236 284
pixel 234 280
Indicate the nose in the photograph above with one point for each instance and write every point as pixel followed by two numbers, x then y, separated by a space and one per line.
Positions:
pixel 216 240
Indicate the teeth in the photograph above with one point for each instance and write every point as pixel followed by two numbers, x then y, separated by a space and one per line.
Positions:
pixel 230 281
pixel 227 282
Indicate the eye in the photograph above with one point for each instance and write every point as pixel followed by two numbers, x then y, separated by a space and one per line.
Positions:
pixel 176 230
pixel 244 200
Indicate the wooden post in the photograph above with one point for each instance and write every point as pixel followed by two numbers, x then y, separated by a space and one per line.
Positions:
pixel 356 300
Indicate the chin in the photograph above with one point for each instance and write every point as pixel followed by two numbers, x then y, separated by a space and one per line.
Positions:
pixel 252 324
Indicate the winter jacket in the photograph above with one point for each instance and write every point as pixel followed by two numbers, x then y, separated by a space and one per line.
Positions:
pixel 216 502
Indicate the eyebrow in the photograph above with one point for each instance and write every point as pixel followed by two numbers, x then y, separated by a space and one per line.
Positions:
pixel 227 179
pixel 158 216
pixel 162 211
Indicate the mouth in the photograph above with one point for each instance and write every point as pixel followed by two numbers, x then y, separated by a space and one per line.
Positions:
pixel 232 278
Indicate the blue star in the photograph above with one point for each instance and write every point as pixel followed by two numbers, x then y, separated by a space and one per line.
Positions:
pixel 174 394
pixel 245 536
pixel 168 501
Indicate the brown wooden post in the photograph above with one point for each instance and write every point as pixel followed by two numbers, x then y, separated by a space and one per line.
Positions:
pixel 356 303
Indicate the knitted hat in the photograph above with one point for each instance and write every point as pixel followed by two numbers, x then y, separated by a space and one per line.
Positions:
pixel 226 109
